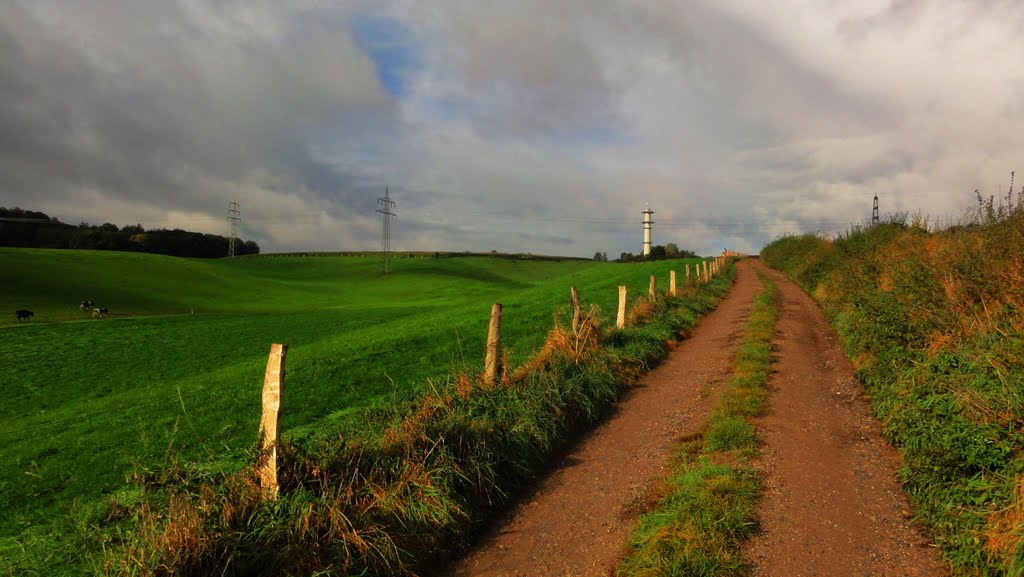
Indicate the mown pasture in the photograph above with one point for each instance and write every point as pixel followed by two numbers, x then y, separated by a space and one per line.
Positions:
pixel 175 372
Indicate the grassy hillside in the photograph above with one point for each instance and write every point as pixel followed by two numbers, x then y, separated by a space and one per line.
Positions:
pixel 934 324
pixel 94 400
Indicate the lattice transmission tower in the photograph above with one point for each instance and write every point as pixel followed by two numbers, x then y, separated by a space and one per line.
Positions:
pixel 874 212
pixel 386 205
pixel 234 219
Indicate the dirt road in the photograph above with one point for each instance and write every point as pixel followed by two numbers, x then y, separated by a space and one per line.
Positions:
pixel 578 521
pixel 832 504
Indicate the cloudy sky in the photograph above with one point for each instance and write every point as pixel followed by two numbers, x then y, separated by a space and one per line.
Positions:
pixel 524 125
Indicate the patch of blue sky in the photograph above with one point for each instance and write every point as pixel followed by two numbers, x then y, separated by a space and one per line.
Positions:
pixel 393 48
pixel 598 135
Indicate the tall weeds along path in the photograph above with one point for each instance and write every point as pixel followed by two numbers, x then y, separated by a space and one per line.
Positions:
pixel 832 503
pixel 579 519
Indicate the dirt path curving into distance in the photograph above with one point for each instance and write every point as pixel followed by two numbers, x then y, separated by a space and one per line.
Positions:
pixel 578 521
pixel 832 503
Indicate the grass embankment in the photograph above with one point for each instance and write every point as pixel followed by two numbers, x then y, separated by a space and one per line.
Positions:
pixel 409 490
pixel 934 325
pixel 709 502
pixel 91 402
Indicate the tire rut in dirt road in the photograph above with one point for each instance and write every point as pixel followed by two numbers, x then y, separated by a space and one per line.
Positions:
pixel 832 503
pixel 580 518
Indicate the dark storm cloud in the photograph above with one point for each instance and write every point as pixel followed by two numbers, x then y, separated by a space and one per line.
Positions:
pixel 157 104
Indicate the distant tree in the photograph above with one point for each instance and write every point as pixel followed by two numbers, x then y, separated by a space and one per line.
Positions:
pixel 597 256
pixel 35 229
pixel 657 253
pixel 604 256
pixel 250 247
pixel 671 250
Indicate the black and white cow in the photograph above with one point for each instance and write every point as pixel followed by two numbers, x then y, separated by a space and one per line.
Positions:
pixel 86 305
pixel 24 314
pixel 98 313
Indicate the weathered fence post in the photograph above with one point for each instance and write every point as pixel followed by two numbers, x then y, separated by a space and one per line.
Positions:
pixel 574 301
pixel 687 273
pixel 672 282
pixel 273 391
pixel 706 277
pixel 492 361
pixel 620 320
pixel 650 291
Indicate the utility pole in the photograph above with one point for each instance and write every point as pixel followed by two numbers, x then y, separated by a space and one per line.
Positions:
pixel 234 219
pixel 874 212
pixel 386 205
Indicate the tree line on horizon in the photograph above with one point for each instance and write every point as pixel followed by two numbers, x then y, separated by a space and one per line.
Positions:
pixel 32 229
pixel 658 252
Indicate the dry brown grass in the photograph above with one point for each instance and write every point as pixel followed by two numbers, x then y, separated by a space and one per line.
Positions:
pixel 575 344
pixel 1004 536
pixel 642 311
pixel 411 431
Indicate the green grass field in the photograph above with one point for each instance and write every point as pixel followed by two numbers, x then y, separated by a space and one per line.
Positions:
pixel 175 372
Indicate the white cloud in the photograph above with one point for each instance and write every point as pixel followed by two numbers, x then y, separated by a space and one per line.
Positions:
pixel 520 126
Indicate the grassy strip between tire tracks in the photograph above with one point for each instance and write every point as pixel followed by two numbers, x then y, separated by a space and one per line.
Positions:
pixel 410 490
pixel 708 508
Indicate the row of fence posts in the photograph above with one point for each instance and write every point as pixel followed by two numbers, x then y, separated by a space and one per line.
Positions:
pixel 273 380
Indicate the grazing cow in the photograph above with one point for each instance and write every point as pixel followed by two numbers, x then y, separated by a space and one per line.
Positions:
pixel 99 313
pixel 23 314
pixel 86 305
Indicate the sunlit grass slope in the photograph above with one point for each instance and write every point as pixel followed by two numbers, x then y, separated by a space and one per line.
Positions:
pixel 91 400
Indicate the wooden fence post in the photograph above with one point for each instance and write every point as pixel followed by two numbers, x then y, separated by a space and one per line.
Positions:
pixel 492 361
pixel 574 301
pixel 620 320
pixel 706 277
pixel 687 273
pixel 672 282
pixel 273 391
pixel 650 291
